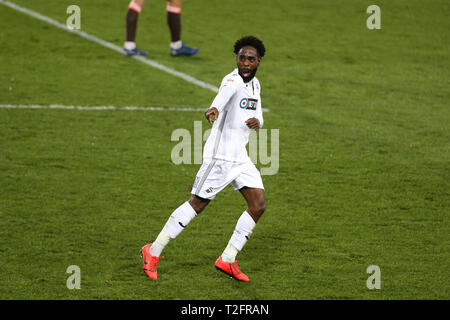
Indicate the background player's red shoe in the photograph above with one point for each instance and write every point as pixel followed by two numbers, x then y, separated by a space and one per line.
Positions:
pixel 149 262
pixel 231 269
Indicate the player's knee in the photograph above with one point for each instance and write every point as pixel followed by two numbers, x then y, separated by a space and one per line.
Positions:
pixel 258 208
pixel 140 2
pixel 176 3
pixel 262 207
pixel 198 204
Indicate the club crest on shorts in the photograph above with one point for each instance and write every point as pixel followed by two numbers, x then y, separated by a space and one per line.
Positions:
pixel 196 181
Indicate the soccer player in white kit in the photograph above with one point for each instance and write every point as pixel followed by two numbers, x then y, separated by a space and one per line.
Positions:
pixel 235 111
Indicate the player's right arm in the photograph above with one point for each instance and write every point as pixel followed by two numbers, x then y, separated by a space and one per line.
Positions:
pixel 226 91
pixel 211 111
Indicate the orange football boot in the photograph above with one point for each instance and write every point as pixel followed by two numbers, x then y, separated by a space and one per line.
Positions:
pixel 231 269
pixel 149 262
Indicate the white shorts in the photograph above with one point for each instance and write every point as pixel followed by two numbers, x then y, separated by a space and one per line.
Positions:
pixel 215 175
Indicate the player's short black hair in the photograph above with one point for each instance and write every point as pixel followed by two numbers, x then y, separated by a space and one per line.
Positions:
pixel 250 41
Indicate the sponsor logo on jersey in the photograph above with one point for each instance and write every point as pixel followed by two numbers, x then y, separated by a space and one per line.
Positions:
pixel 252 104
pixel 248 103
pixel 243 104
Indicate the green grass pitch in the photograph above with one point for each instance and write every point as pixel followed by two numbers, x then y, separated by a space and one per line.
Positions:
pixel 364 137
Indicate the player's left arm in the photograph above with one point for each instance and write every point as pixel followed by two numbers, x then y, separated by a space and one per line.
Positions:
pixel 253 123
pixel 259 113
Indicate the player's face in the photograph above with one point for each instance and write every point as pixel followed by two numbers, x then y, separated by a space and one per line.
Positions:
pixel 248 62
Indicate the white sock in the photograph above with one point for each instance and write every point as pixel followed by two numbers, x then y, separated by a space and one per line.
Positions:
pixel 242 231
pixel 179 219
pixel 176 45
pixel 229 254
pixel 176 223
pixel 129 45
pixel 161 241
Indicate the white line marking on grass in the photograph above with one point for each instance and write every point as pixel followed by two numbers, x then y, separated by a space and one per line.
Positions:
pixel 96 108
pixel 111 46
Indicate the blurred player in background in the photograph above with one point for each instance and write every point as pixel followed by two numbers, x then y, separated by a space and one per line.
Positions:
pixel 235 111
pixel 173 8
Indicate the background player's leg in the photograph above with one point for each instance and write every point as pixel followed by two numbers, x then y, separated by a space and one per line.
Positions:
pixel 256 206
pixel 177 48
pixel 134 9
pixel 174 22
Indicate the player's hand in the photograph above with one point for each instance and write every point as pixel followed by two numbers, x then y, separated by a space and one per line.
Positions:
pixel 211 115
pixel 252 123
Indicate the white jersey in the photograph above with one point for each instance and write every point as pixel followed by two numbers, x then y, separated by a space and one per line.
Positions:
pixel 237 102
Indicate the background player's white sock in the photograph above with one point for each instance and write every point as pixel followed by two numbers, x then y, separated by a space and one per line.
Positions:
pixel 176 44
pixel 241 234
pixel 177 221
pixel 129 45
